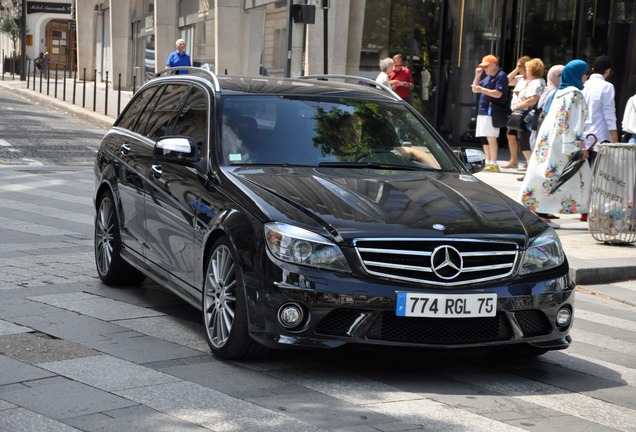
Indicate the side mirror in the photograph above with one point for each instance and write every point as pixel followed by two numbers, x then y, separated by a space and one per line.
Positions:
pixel 176 148
pixel 473 159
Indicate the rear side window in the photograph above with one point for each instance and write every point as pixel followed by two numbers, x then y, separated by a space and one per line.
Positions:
pixel 161 121
pixel 192 120
pixel 138 106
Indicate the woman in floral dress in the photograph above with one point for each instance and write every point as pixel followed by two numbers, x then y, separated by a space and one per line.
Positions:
pixel 560 136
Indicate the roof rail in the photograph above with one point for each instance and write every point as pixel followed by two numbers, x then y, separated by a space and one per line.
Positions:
pixel 194 71
pixel 358 79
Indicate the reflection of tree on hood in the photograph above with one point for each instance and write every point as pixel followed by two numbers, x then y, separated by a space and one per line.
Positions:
pixel 342 134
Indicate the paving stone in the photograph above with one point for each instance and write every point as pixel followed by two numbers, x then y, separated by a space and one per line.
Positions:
pixel 214 410
pixel 19 372
pixel 107 373
pixel 95 306
pixel 133 419
pixel 143 349
pixel 20 419
pixel 71 326
pixel 7 327
pixel 78 399
pixel 172 329
pixel 237 381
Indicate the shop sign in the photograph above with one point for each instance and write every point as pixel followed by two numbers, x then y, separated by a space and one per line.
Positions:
pixel 42 7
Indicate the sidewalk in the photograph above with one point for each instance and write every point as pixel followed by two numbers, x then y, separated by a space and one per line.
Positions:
pixel 78 98
pixel 591 262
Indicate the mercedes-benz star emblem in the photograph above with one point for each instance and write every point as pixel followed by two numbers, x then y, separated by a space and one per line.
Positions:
pixel 446 262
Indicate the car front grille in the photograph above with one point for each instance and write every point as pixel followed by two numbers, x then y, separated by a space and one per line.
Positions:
pixel 447 331
pixel 445 262
pixel 386 326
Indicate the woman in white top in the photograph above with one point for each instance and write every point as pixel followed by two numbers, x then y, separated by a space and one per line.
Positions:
pixel 528 98
pixel 629 119
pixel 516 78
pixel 386 66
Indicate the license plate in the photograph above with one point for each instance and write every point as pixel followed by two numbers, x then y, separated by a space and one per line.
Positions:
pixel 446 305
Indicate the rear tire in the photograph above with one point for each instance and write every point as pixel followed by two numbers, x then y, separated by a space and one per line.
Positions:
pixel 224 306
pixel 111 267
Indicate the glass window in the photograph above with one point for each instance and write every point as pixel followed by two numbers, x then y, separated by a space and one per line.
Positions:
pixel 136 108
pixel 192 120
pixel 327 132
pixel 162 118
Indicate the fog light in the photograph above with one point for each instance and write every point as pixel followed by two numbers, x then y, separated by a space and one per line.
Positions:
pixel 290 315
pixel 563 317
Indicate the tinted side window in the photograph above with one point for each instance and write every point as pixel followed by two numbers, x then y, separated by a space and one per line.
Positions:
pixel 137 106
pixel 161 121
pixel 193 119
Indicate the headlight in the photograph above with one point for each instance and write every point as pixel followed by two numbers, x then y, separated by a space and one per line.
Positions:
pixel 544 253
pixel 300 246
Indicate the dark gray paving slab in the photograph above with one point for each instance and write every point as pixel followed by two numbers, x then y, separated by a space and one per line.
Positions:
pixel 62 399
pixel 14 371
pixel 235 380
pixel 20 419
pixel 72 326
pixel 7 327
pixel 133 419
pixel 143 349
pixel 108 373
pixel 209 408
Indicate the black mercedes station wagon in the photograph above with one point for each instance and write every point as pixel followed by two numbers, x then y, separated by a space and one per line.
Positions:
pixel 318 212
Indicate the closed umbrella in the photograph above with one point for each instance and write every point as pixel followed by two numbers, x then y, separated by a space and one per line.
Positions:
pixel 571 167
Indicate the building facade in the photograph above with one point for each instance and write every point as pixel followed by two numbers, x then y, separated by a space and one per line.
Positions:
pixel 126 41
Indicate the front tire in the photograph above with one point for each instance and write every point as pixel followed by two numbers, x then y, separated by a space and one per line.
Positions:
pixel 224 306
pixel 112 269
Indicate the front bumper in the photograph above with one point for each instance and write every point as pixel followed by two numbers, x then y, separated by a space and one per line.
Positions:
pixel 341 309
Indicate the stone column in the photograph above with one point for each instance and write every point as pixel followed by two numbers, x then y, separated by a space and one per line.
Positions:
pixel 166 30
pixel 230 32
pixel 120 43
pixel 86 16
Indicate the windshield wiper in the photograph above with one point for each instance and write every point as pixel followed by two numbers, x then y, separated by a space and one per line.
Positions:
pixel 371 165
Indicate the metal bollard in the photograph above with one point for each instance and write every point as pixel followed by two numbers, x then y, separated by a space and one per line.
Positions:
pixel 48 81
pixel 34 74
pixel 28 72
pixel 74 84
pixel 94 90
pixel 106 96
pixel 40 81
pixel 64 86
pixel 84 91
pixel 55 93
pixel 134 84
pixel 119 95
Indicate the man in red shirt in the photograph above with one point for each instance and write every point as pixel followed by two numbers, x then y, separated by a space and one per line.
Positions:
pixel 401 79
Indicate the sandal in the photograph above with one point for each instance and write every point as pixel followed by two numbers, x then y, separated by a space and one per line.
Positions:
pixel 511 165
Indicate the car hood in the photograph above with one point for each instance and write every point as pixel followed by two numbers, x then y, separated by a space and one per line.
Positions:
pixel 356 203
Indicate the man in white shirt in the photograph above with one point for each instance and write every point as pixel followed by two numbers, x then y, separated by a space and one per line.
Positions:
pixel 599 95
pixel 601 118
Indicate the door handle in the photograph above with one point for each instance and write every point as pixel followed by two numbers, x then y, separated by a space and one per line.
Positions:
pixel 156 171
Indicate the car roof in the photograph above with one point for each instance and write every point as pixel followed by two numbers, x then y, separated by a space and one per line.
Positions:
pixel 345 86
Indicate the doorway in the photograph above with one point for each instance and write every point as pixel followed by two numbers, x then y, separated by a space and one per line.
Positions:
pixel 60 44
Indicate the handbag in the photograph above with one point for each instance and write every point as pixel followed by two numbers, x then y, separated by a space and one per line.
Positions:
pixel 516 120
pixel 499 114
pixel 534 118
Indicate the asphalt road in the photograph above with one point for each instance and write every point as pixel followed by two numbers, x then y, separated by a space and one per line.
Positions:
pixel 34 134
pixel 77 355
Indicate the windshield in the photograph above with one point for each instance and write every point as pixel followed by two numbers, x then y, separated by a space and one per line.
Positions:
pixel 273 130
